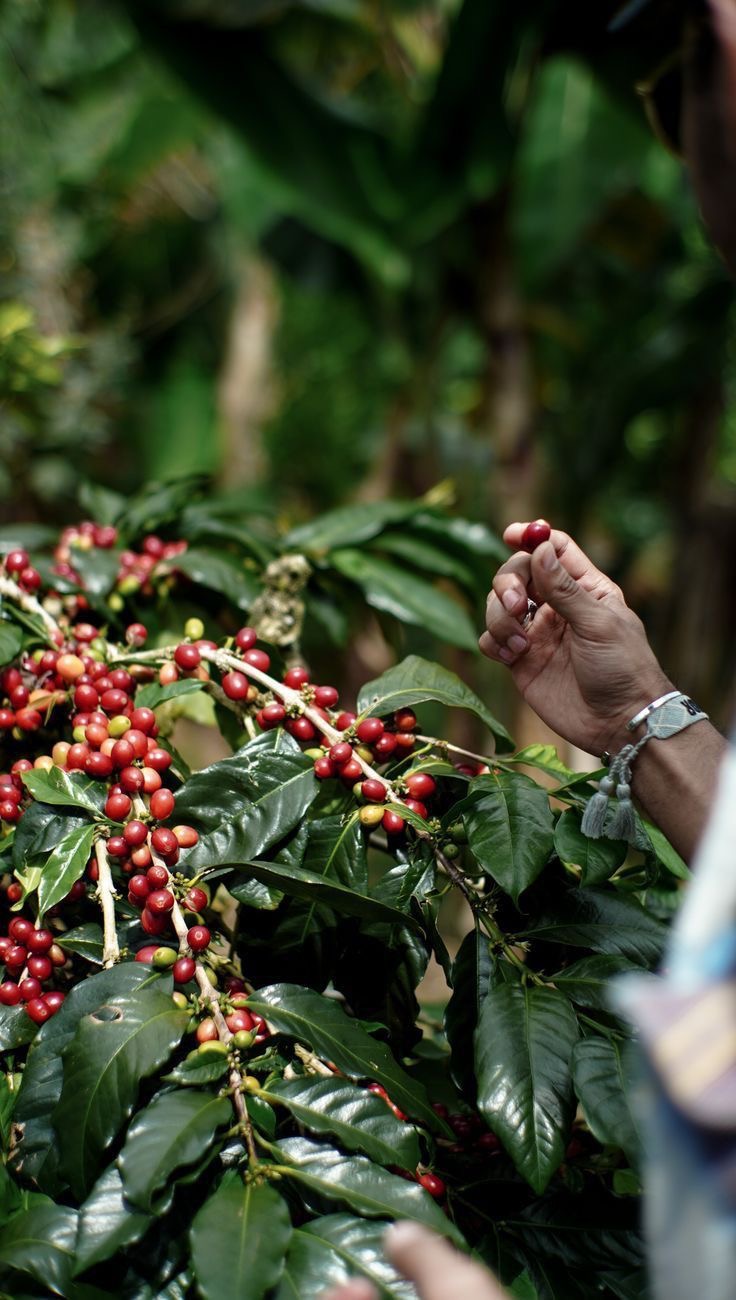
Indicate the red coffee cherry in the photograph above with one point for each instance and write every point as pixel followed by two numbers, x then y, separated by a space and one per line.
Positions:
pixel 296 677
pixel 39 941
pixel 198 938
pixel 374 791
pixel 432 1184
pixel 20 929
pixel 154 923
pixel 163 840
pixel 341 753
pixel 207 1031
pixel 9 994
pixel 405 719
pixel 385 745
pixel 187 656
pixel 534 534
pixel 135 833
pixel 117 806
pixel 136 634
pixel 143 719
pixel 122 753
pixel 39 1010
pixel 238 1020
pixel 420 785
pixel 30 988
pixel 257 659
pixel 160 901
pixel 324 769
pixel 325 697
pixel 186 836
pixel 183 970
pixel 415 805
pixel 246 638
pixel 131 779
pixel 139 887
pixel 146 954
pixel 40 967
pixel 351 772
pixel 392 823
pixel 54 999
pixel 272 715
pixel 301 728
pixel 16 560
pixel 195 899
pixel 369 730
pixel 159 759
pixel 162 804
pixel 235 685
pixel 157 877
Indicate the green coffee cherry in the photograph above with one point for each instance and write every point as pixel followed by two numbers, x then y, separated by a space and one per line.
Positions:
pixel 194 629
pixel 164 957
pixel 244 1038
pixel 214 1046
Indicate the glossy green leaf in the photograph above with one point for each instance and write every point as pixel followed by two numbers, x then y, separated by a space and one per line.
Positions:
pixel 43 1075
pixel 409 598
pixel 523 1052
pixel 154 693
pixel 40 1241
pixel 414 680
pixel 174 1130
pixel 108 1221
pixel 198 1068
pixel 602 1075
pixel 597 859
pixel 587 982
pixel 85 941
pixel 602 920
pixel 65 789
pixel 366 1188
pixel 29 537
pixel 347 526
pixel 239 1240
pixel 243 804
pixel 300 883
pixel 64 865
pixel 16 1028
pixel 423 554
pixel 113 1050
pixel 354 1117
pixel 466 535
pixel 336 849
pixel 330 1250
pixel 509 826
pixel 664 851
pixel 546 759
pixel 471 982
pixel 219 571
pixel 11 643
pixel 322 1024
pixel 40 829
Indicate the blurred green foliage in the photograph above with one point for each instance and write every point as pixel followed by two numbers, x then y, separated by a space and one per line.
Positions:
pixel 484 266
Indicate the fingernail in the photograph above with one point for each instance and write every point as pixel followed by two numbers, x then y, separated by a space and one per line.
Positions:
pixel 517 644
pixel 506 655
pixel 511 600
pixel 548 557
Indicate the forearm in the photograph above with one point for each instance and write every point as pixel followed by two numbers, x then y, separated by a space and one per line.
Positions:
pixel 674 782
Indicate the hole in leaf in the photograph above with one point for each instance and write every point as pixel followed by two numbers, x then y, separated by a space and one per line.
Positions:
pixel 107 1013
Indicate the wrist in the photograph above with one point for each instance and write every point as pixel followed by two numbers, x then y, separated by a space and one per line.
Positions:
pixel 651 688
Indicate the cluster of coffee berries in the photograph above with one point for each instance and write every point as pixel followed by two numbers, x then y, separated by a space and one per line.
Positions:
pixel 431 1182
pixel 31 958
pixel 136 570
pixel 246 1026
pixel 18 567
pixel 471 1134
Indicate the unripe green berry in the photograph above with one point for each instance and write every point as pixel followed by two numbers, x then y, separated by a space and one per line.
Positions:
pixel 244 1038
pixel 194 629
pixel 180 1000
pixel 115 600
pixel 214 1046
pixel 118 726
pixel 163 958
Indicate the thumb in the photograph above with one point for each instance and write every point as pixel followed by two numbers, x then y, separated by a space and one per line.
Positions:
pixel 555 586
pixel 438 1270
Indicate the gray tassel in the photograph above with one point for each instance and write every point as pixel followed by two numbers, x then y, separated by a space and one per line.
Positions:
pixel 594 817
pixel 623 822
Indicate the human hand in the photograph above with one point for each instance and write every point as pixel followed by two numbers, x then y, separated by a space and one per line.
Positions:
pixel 438 1271
pixel 583 663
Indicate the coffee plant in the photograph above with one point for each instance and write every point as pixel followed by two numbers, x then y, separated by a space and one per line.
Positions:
pixel 217 1080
